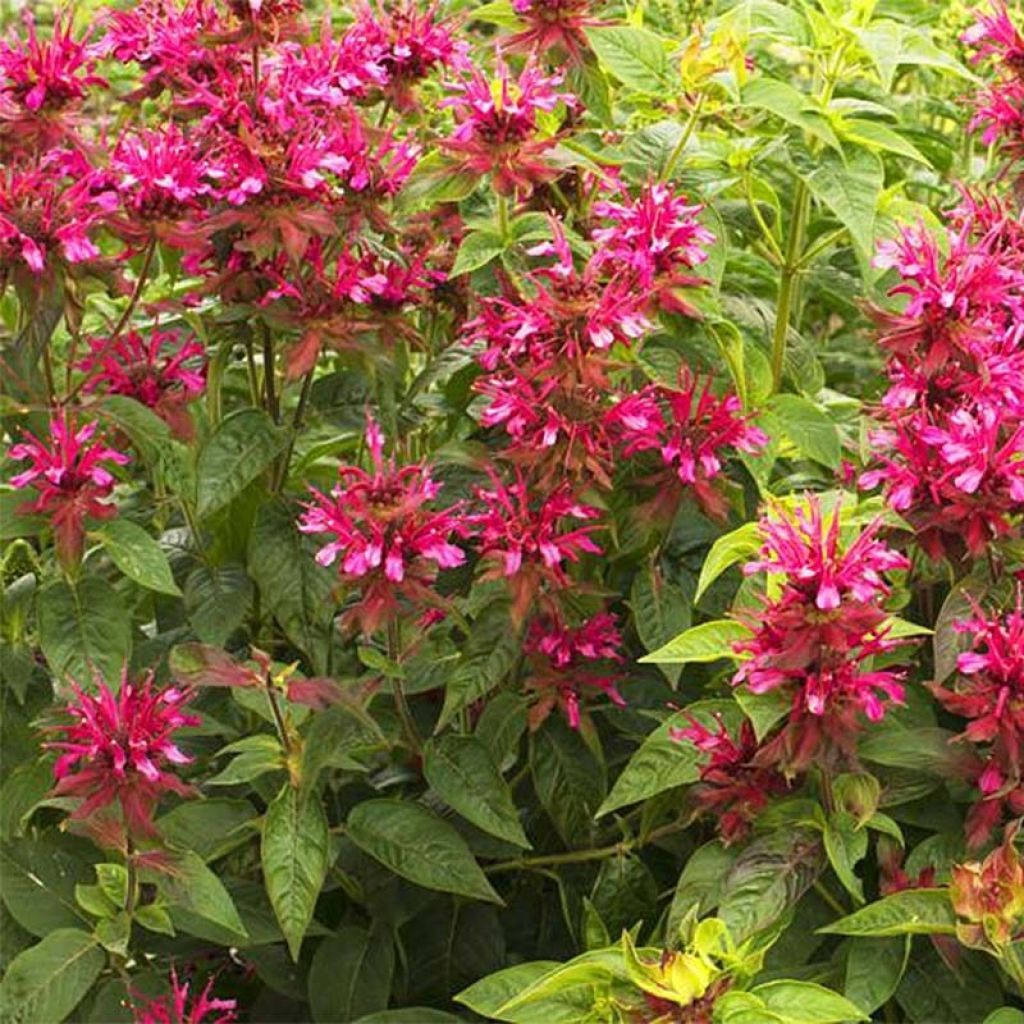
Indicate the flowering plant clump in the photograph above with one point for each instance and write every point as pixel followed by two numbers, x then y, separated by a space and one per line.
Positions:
pixel 496 495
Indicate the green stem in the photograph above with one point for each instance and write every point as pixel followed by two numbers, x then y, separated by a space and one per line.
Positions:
pixel 269 383
pixel 827 897
pixel 769 236
pixel 401 704
pixel 787 281
pixel 132 887
pixel 582 856
pixel 503 217
pixel 677 151
pixel 275 710
pixel 820 246
pixel 300 411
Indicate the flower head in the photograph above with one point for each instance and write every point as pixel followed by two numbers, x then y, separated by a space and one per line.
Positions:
pixel 988 691
pixel 117 747
pixel 692 429
pixel 988 898
pixel 530 538
pixel 71 473
pixel 389 541
pixel 818 637
pixel 204 1008
pixel 163 371
pixel 734 786
pixel 563 664
pixel 497 130
pixel 553 27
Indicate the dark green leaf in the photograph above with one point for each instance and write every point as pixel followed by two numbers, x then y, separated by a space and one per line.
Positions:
pixel 351 974
pixel 909 912
pixel 216 601
pixel 874 967
pixel 137 555
pixel 569 781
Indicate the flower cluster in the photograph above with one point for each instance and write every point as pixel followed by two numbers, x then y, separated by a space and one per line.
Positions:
pixel 116 749
pixel 71 471
pixel 735 785
pixel 178 1008
pixel 820 628
pixel 988 691
pixel 564 660
pixel 999 113
pixel 164 371
pixel 390 539
pixel 988 898
pixel 951 442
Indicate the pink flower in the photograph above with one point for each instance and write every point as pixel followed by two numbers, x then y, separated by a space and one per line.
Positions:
pixel 496 124
pixel 406 44
pixel 658 236
pixel 553 26
pixel 988 691
pixel 529 538
pixel 41 82
pixel 692 429
pixel 390 544
pixel 116 749
pixel 177 1010
pixel 560 664
pixel 817 639
pixel 164 371
pixel 733 785
pixel 49 214
pixel 994 35
pixel 72 475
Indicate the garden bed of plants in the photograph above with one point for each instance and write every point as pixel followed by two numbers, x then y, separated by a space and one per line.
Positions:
pixel 512 512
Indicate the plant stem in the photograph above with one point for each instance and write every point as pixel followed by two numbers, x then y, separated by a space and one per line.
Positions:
pixel 300 411
pixel 787 281
pixel 827 897
pixel 269 384
pixel 132 886
pixel 275 710
pixel 503 216
pixel 677 150
pixel 401 704
pixel 582 856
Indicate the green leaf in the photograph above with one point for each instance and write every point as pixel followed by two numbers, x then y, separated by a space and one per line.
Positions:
pixel 800 1002
pixel 891 44
pixel 487 995
pixel 411 1014
pixel 874 967
pixel 875 135
pixel 636 57
pixel 790 105
pixel 39 879
pixel 46 982
pixel 660 611
pixel 149 434
pixel 732 547
pixel 293 587
pixel 294 853
pixel 461 772
pixel 763 709
pixel 339 737
pixel 501 726
pixel 351 974
pixel 846 846
pixel 415 843
pixel 84 630
pixel 809 429
pixel 568 779
pixel 910 912
pixel 700 886
pixel 257 755
pixel 241 448
pixel 217 599
pixel 488 654
pixel 476 250
pixel 1005 1015
pixel 709 641
pixel 211 827
pixel 661 762
pixel 850 188
pixel 191 885
pixel 436 179
pixel 137 555
pixel 768 877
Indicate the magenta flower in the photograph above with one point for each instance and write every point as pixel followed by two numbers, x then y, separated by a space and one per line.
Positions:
pixel 389 543
pixel 988 691
pixel 116 750
pixel 49 214
pixel 692 429
pixel 658 236
pixel 71 472
pixel 496 125
pixel 406 44
pixel 530 539
pixel 176 1009
pixel 41 82
pixel 734 786
pixel 562 664
pixel 817 639
pixel 164 371
pixel 554 27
